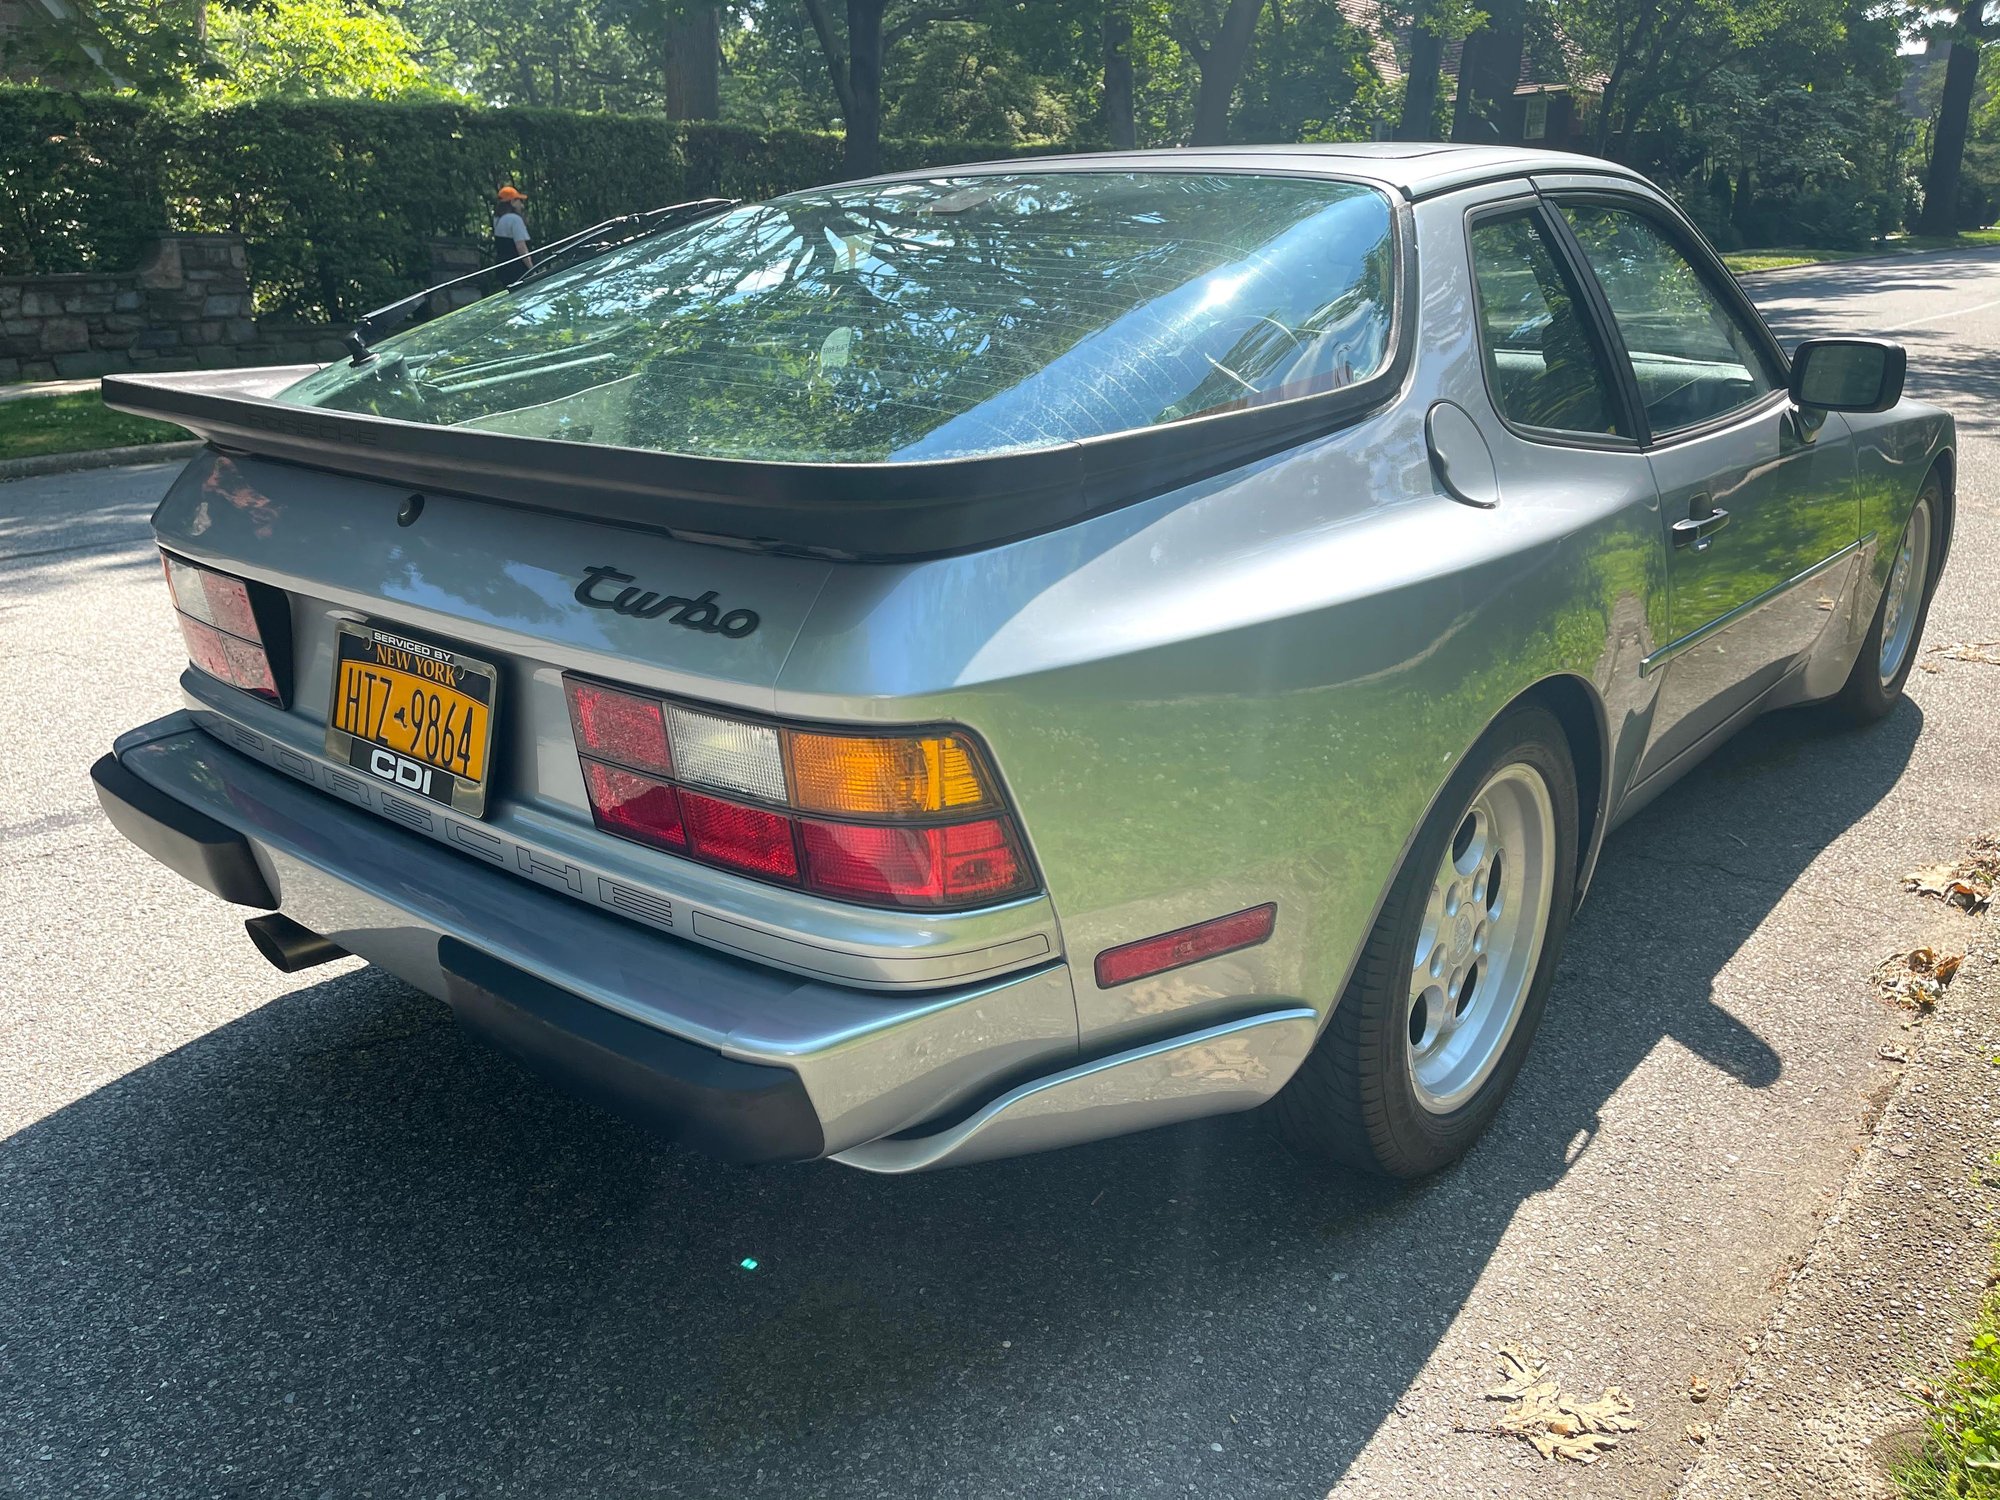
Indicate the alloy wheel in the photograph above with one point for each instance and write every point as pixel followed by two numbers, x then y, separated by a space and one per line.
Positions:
pixel 1482 937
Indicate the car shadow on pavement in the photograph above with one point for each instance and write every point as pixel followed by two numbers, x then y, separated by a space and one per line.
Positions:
pixel 336 1247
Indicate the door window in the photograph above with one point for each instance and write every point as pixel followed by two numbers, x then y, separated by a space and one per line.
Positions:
pixel 1544 366
pixel 1695 356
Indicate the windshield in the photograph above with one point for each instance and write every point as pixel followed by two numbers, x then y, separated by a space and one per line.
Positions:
pixel 906 321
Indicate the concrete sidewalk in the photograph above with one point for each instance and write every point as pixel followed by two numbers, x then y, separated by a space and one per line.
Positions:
pixel 1829 1397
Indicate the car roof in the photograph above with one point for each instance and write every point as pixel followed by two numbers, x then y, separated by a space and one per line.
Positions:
pixel 1415 169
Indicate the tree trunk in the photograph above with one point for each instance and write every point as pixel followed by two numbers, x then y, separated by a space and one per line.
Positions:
pixel 1961 75
pixel 1420 86
pixel 1489 69
pixel 864 87
pixel 694 64
pixel 1221 66
pixel 1118 123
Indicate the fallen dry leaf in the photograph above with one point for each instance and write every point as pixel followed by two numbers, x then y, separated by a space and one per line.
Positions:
pixel 1697 1432
pixel 1892 1052
pixel 1916 980
pixel 1697 1388
pixel 1967 883
pixel 1985 651
pixel 1558 1426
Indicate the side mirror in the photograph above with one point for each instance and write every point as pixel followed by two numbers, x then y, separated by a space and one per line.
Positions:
pixel 1848 374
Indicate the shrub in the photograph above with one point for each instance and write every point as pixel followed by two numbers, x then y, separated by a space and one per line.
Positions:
pixel 339 200
pixel 77 190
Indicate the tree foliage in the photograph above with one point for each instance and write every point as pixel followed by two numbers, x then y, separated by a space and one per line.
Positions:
pixel 312 49
pixel 1773 119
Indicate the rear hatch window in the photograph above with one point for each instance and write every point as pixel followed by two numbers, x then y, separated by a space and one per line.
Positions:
pixel 909 321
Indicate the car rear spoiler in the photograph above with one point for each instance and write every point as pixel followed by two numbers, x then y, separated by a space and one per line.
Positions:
pixel 860 511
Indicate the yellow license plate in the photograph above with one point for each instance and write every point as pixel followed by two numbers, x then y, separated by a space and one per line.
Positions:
pixel 414 714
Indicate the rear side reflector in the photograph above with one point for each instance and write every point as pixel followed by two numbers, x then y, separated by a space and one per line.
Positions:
pixel 912 820
pixel 1174 950
pixel 218 621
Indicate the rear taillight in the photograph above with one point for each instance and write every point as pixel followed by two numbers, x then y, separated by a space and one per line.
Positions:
pixel 218 620
pixel 885 820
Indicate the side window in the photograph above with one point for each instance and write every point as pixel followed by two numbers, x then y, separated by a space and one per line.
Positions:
pixel 1543 365
pixel 1694 357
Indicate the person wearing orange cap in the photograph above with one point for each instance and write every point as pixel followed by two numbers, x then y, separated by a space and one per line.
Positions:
pixel 510 235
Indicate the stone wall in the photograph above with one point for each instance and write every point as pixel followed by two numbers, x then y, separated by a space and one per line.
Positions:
pixel 188 307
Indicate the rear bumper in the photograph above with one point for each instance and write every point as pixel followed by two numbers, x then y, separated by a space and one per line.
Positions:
pixel 748 1062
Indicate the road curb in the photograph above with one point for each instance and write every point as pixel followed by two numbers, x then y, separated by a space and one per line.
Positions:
pixel 97 458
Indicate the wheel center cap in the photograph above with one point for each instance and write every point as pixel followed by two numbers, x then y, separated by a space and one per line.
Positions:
pixel 1461 938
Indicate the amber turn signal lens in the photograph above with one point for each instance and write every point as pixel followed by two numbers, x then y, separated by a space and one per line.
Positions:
pixel 888 776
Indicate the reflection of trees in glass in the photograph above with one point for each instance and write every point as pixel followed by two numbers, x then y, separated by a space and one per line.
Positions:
pixel 922 320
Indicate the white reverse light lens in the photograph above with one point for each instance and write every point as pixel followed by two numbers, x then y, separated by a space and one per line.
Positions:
pixel 724 753
pixel 190 598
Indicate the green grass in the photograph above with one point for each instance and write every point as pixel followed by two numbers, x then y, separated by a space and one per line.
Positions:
pixel 1960 1459
pixel 74 422
pixel 1971 239
pixel 1745 261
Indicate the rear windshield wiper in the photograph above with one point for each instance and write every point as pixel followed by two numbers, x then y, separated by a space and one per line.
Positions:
pixel 560 255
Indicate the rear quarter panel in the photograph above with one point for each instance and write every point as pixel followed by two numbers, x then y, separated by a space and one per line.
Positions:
pixel 1893 452
pixel 1253 689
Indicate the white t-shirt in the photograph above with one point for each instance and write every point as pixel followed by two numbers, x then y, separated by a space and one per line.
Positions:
pixel 510 226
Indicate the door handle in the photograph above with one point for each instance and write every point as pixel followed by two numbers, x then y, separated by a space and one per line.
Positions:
pixel 1698 531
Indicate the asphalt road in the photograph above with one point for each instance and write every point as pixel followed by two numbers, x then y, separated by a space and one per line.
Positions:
pixel 296 1236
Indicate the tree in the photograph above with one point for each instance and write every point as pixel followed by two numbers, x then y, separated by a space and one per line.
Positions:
pixel 1420 80
pixel 694 63
pixel 1119 127
pixel 153 48
pixel 1220 48
pixel 1432 25
pixel 311 49
pixel 856 72
pixel 1489 69
pixel 1632 40
pixel 1961 79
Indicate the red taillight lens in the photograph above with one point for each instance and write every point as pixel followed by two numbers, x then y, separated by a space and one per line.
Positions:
pixel 636 806
pixel 227 659
pixel 219 623
pixel 205 647
pixel 744 838
pixel 618 726
pixel 904 819
pixel 959 864
pixel 1173 950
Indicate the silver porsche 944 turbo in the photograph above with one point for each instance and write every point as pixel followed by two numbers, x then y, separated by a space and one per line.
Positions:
pixel 973 661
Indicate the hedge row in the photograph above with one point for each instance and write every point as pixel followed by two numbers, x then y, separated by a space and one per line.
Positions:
pixel 339 200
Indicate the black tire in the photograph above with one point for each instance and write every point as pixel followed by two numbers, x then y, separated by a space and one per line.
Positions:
pixel 1353 1101
pixel 1866 697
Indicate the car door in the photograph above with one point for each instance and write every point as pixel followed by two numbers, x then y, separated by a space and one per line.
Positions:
pixel 1756 497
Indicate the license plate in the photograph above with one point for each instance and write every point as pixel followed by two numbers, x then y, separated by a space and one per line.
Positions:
pixel 413 713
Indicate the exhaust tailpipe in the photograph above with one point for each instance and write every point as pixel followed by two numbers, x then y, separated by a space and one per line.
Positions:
pixel 289 946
